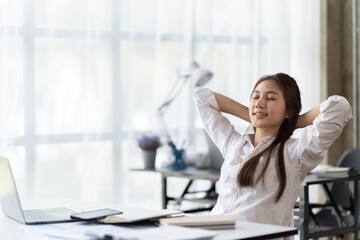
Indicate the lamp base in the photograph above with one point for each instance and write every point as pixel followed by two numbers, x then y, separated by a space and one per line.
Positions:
pixel 179 163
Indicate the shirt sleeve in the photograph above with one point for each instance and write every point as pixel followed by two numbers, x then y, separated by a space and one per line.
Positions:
pixel 219 128
pixel 309 151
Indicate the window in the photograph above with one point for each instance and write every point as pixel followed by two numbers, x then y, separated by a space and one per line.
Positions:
pixel 80 80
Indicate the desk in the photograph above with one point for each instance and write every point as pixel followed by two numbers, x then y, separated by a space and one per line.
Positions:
pixel 191 174
pixel 243 230
pixel 305 210
pixel 305 233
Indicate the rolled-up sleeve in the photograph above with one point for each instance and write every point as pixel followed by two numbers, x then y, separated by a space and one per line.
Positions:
pixel 219 128
pixel 309 150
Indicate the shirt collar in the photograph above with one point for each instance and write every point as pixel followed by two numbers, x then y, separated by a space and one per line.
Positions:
pixel 265 141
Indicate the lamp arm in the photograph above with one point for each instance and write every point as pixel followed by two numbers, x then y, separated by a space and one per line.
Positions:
pixel 163 128
pixel 174 92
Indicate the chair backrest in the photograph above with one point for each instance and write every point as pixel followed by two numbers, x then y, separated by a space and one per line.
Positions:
pixel 350 158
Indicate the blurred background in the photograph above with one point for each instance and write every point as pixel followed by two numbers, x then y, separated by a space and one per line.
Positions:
pixel 81 80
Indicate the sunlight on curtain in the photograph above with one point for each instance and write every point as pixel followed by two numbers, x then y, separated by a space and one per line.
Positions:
pixel 81 80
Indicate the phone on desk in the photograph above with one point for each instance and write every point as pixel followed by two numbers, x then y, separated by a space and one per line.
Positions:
pixel 95 214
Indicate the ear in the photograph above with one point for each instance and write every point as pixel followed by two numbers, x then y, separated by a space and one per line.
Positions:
pixel 287 115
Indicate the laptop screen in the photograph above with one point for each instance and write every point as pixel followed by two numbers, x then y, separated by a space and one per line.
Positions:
pixel 9 197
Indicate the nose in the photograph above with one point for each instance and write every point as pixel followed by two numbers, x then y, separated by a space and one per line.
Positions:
pixel 260 103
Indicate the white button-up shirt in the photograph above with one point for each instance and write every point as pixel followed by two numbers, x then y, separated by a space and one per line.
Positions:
pixel 257 204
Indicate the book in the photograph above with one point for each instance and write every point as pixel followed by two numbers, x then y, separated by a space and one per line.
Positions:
pixel 134 214
pixel 203 221
pixel 330 171
pixel 337 169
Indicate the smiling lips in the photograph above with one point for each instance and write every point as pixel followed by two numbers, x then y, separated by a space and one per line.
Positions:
pixel 260 114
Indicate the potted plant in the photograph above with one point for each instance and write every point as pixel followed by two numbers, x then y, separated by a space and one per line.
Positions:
pixel 149 144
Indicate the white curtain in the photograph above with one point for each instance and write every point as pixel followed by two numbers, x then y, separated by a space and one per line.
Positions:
pixel 81 80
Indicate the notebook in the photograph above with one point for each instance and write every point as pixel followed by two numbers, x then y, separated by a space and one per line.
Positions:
pixel 135 214
pixel 11 206
pixel 327 171
pixel 203 221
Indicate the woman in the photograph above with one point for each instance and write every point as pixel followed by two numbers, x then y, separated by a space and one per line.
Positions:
pixel 262 173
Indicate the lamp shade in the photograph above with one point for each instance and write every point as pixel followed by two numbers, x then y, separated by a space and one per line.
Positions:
pixel 199 76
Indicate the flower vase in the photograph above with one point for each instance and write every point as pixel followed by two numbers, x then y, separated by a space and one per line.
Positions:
pixel 149 157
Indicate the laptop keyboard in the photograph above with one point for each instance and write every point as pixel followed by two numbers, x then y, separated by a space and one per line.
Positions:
pixel 38 215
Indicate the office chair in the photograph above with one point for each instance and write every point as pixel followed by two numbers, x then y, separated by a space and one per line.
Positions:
pixel 341 193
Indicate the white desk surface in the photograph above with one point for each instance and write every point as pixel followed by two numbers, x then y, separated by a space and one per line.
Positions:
pixel 243 230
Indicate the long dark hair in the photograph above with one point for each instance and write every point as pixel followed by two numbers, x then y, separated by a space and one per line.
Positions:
pixel 290 89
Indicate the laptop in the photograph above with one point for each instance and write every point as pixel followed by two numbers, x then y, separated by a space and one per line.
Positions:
pixel 11 206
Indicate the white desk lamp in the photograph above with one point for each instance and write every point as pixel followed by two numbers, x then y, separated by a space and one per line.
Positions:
pixel 198 76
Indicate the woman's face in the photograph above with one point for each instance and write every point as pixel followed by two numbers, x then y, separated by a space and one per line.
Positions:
pixel 267 108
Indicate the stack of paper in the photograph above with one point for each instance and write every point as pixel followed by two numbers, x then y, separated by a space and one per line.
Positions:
pixel 168 233
pixel 330 171
pixel 206 221
pixel 90 231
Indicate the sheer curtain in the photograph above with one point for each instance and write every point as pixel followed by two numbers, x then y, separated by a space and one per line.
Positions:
pixel 81 80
